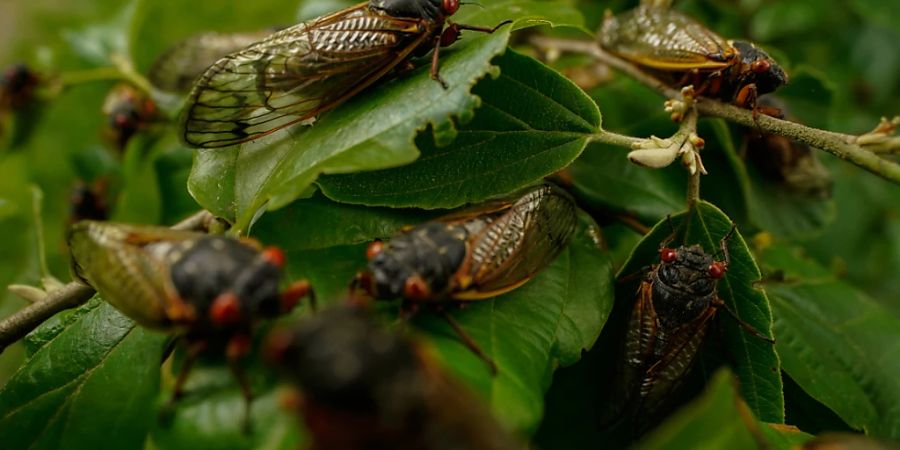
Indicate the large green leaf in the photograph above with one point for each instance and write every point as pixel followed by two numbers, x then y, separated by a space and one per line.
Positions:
pixel 838 344
pixel 532 123
pixel 91 386
pixel 756 362
pixel 371 131
pixel 719 419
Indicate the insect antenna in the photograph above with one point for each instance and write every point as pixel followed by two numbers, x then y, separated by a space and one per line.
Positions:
pixel 472 3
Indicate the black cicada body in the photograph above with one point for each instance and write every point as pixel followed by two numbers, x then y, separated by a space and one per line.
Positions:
pixel 363 387
pixel 212 289
pixel 477 253
pixel 300 72
pixel 89 201
pixel 473 254
pixel 680 52
pixel 128 111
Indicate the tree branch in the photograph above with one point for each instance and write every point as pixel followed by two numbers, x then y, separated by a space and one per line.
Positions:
pixel 71 295
pixel 843 146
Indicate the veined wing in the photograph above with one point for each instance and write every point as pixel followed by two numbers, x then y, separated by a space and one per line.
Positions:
pixel 664 39
pixel 295 74
pixel 521 242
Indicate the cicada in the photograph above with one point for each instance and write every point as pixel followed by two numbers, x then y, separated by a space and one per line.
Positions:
pixel 680 52
pixel 89 201
pixel 178 67
pixel 473 254
pixel 300 72
pixel 210 289
pixel 128 111
pixel 792 165
pixel 17 87
pixel 676 302
pixel 364 387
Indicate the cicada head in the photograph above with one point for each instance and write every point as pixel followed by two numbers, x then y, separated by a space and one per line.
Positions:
pixel 418 264
pixel 342 359
pixel 763 70
pixel 417 9
pixel 689 270
pixel 128 111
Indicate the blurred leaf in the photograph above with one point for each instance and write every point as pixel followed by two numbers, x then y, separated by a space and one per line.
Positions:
pixel 880 12
pixel 809 96
pixel 836 343
pixel 718 419
pixel 72 392
pixel 100 44
pixel 532 123
pixel 140 200
pixel 212 413
pixel 757 364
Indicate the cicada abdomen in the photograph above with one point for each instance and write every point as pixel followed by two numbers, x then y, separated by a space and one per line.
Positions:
pixel 364 387
pixel 300 72
pixel 680 52
pixel 211 289
pixel 473 254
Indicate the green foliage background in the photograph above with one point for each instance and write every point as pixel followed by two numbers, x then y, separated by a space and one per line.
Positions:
pixel 834 302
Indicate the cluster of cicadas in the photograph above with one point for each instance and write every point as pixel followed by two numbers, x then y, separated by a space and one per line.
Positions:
pixel 214 291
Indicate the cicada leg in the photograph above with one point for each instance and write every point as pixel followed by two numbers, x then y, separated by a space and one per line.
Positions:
pixel 238 347
pixel 449 36
pixel 468 341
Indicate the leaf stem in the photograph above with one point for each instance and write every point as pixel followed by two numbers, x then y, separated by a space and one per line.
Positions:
pixel 843 146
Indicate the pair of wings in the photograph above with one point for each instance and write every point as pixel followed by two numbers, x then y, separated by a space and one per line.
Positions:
pixel 664 39
pixel 513 239
pixel 296 74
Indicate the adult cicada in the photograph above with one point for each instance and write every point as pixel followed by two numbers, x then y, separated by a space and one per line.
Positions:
pixel 128 111
pixel 17 87
pixel 473 254
pixel 211 289
pixel 680 52
pixel 676 303
pixel 364 387
pixel 300 72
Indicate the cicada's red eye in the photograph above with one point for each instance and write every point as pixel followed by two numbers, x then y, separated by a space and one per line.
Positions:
pixel 760 66
pixel 668 254
pixel 717 270
pixel 374 249
pixel 451 6
pixel 274 255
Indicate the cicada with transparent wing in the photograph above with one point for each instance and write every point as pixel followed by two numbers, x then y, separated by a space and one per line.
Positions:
pixel 211 289
pixel 676 303
pixel 473 254
pixel 300 72
pixel 680 52
pixel 364 387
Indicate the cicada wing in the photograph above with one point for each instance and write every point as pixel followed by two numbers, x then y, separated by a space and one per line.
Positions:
pixel 178 68
pixel 127 265
pixel 295 74
pixel 677 350
pixel 516 245
pixel 664 39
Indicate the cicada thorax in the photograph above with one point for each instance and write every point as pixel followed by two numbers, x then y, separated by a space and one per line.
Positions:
pixel 680 52
pixel 362 386
pixel 676 303
pixel 476 253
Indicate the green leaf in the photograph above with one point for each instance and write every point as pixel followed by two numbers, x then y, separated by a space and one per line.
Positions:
pixel 838 344
pixel 212 413
pixel 101 44
pixel 717 419
pixel 139 200
pixel 91 386
pixel 756 362
pixel 532 123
